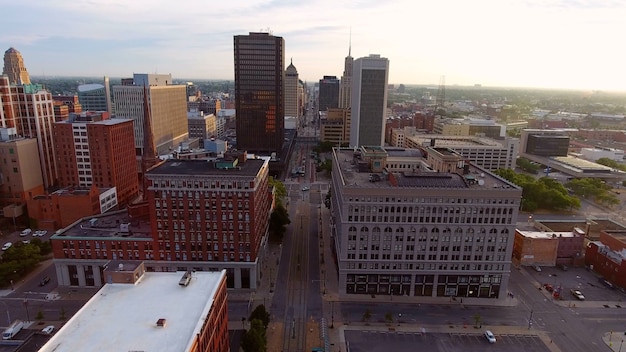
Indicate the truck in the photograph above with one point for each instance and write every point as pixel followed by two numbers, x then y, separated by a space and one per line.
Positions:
pixel 12 330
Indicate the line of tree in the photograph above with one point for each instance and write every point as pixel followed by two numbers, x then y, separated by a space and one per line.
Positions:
pixel 255 339
pixel 22 258
pixel 544 193
pixel 279 219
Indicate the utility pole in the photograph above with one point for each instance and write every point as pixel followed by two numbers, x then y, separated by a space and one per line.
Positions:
pixel 332 314
pixel 530 319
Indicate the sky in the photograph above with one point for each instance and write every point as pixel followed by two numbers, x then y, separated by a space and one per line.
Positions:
pixel 573 44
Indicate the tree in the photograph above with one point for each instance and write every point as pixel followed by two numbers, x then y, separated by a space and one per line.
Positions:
pixel 279 219
pixel 259 313
pixel 477 320
pixel 388 317
pixel 255 339
pixel 279 187
pixel 367 315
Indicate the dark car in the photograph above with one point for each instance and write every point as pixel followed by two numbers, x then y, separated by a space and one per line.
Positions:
pixel 607 283
pixel 44 281
pixel 548 287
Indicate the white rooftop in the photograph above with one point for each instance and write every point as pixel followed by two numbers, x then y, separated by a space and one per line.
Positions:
pixel 122 317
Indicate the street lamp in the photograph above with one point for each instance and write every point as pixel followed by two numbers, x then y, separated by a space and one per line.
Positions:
pixel 332 314
pixel 26 307
pixel 530 319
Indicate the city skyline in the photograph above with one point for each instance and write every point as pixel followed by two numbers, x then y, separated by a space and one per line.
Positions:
pixel 509 43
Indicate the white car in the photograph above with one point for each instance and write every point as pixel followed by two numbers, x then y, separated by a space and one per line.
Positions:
pixel 26 232
pixel 26 241
pixel 7 246
pixel 48 329
pixel 579 295
pixel 304 189
pixel 489 336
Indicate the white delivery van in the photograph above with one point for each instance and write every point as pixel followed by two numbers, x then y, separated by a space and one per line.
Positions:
pixel 12 330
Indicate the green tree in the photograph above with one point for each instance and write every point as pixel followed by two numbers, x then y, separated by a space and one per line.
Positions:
pixel 388 317
pixel 279 188
pixel 260 314
pixel 477 320
pixel 279 219
pixel 255 339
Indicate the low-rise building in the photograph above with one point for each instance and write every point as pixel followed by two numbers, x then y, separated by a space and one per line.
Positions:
pixel 143 311
pixel 548 248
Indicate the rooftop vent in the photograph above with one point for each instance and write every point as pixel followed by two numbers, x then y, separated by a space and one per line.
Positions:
pixel 161 322
pixel 184 281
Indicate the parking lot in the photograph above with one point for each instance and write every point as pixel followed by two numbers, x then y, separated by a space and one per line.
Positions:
pixel 587 282
pixel 362 341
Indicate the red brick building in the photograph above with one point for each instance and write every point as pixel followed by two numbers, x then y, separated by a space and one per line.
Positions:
pixel 607 256
pixel 95 150
pixel 203 216
pixel 63 207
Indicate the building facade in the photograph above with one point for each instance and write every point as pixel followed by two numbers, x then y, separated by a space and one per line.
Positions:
pixel 95 97
pixel 335 126
pixel 345 85
pixel 203 216
pixel 292 96
pixel 328 93
pixel 168 108
pixel 201 125
pixel 369 101
pixel 259 92
pixel 20 168
pixel 14 67
pixel 95 150
pixel 30 109
pixel 406 225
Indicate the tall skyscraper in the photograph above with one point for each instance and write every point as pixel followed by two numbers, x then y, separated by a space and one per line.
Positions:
pixel 259 97
pixel 14 67
pixel 291 91
pixel 329 93
pixel 369 101
pixel 168 109
pixel 30 109
pixel 345 84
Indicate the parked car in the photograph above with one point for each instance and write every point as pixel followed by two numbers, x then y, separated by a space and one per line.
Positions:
pixel 563 267
pixel 26 232
pixel 579 295
pixel 489 336
pixel 537 268
pixel 26 241
pixel 44 281
pixel 548 287
pixel 606 283
pixel 7 246
pixel 48 329
pixel 306 188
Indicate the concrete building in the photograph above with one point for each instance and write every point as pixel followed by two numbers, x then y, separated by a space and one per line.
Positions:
pixel 411 226
pixel 20 168
pixel 201 125
pixel 259 92
pixel 335 126
pixel 593 154
pixel 229 202
pixel 168 108
pixel 369 101
pixel 14 67
pixel 142 311
pixel 469 126
pixel 328 93
pixel 64 207
pixel 488 153
pixel 95 150
pixel 30 109
pixel 292 96
pixel 95 96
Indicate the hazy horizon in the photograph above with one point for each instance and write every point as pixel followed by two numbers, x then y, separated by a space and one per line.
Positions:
pixel 553 44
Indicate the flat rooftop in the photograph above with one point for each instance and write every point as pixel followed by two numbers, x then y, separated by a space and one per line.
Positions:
pixel 549 234
pixel 476 178
pixel 110 225
pixel 202 167
pixel 123 317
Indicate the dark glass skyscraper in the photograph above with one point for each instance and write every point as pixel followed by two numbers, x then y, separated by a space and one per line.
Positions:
pixel 259 97
pixel 329 93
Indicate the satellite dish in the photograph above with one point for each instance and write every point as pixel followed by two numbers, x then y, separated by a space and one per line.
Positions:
pixel 481 182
